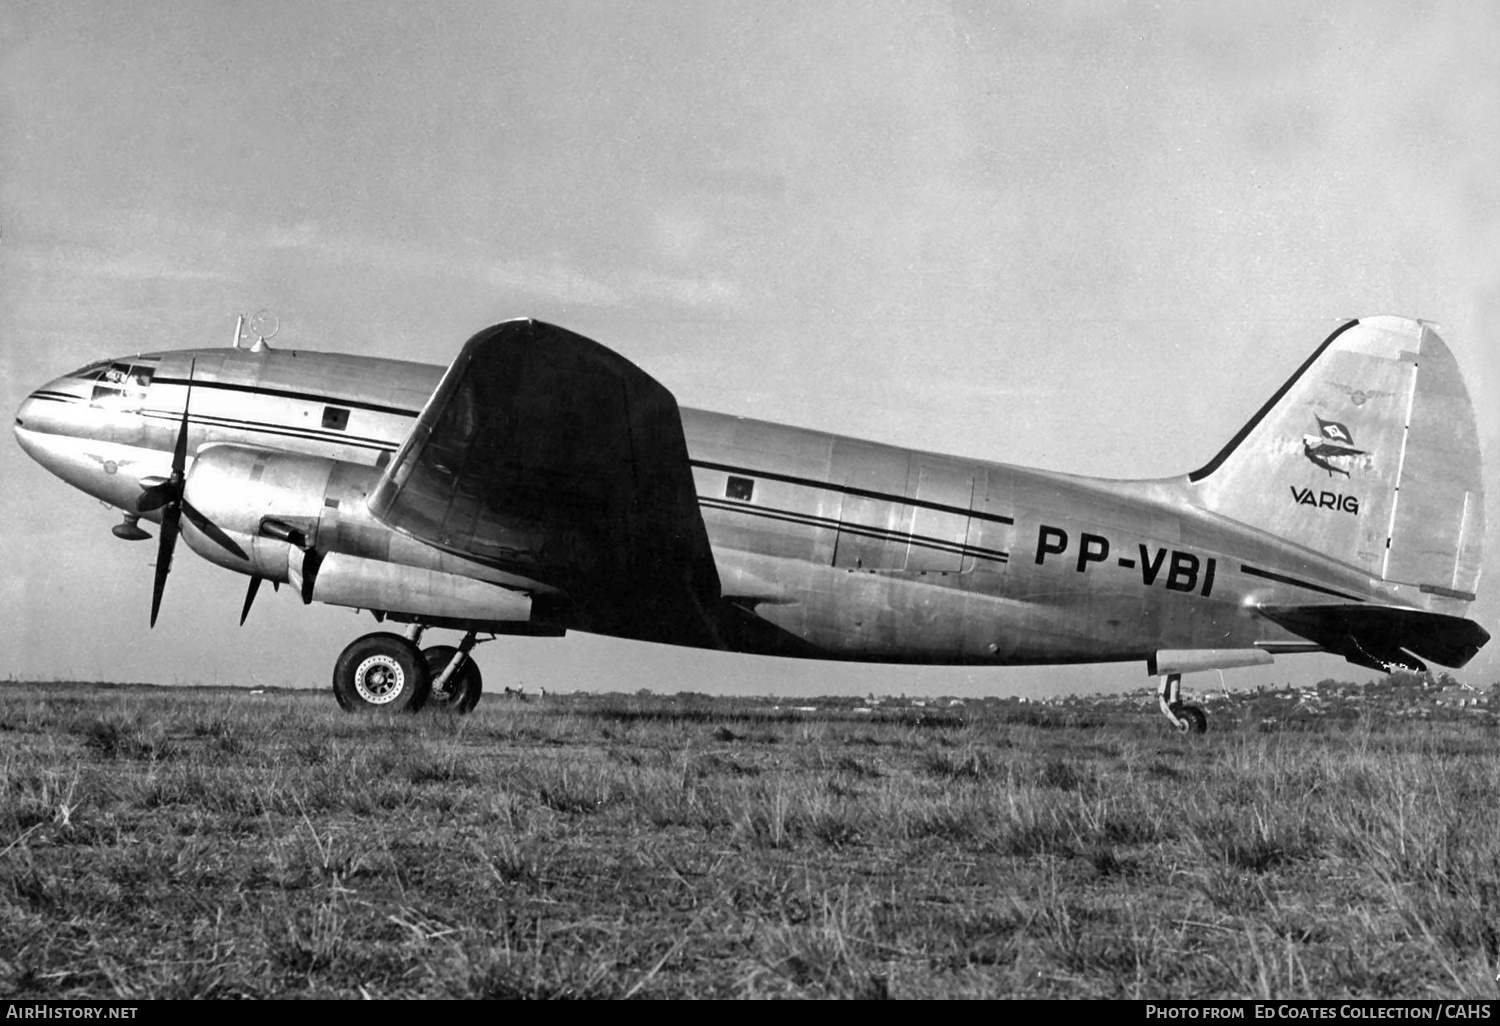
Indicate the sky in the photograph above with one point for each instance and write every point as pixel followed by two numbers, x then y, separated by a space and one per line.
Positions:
pixel 1092 237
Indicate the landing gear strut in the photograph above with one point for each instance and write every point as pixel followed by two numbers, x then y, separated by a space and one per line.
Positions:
pixel 456 682
pixel 1188 719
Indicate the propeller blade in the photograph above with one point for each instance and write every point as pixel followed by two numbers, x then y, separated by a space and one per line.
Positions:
pixel 255 580
pixel 154 497
pixel 179 452
pixel 166 541
pixel 312 559
pixel 171 507
pixel 212 531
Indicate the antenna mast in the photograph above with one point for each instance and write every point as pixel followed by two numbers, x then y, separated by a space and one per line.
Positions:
pixel 264 326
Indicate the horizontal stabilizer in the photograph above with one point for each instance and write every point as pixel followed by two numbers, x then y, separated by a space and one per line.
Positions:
pixel 1193 660
pixel 1384 637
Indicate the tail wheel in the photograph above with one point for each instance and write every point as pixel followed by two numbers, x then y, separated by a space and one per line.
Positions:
pixel 1188 719
pixel 1194 719
pixel 463 689
pixel 381 671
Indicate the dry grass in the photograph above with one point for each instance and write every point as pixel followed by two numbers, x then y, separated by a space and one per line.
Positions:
pixel 174 844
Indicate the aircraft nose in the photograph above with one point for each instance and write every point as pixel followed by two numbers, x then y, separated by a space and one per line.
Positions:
pixel 42 414
pixel 39 410
pixel 24 427
pixel 26 414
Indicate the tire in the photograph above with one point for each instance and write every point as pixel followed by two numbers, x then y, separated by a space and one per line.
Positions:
pixel 1197 719
pixel 463 689
pixel 381 671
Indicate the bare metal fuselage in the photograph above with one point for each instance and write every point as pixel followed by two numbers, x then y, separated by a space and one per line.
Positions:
pixel 848 549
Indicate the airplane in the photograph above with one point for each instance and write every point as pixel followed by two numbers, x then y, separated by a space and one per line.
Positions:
pixel 543 483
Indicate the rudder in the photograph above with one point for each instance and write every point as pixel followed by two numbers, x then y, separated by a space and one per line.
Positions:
pixel 1368 454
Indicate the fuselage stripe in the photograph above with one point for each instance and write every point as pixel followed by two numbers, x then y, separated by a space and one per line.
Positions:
pixel 863 530
pixel 284 393
pixel 262 427
pixel 862 493
pixel 1284 579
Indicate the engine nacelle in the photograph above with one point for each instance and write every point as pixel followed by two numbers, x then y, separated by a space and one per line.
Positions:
pixel 302 520
pixel 233 490
pixel 344 580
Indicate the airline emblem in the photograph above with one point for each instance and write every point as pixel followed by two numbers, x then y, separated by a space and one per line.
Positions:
pixel 1359 396
pixel 110 466
pixel 1333 442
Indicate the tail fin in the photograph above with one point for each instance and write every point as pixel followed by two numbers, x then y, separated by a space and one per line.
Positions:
pixel 1368 454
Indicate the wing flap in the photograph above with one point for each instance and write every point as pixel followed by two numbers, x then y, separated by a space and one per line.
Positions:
pixel 546 454
pixel 1383 637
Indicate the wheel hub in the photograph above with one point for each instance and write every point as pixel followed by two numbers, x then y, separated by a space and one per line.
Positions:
pixel 379 680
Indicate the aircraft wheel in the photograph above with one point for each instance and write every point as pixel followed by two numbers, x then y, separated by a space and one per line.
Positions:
pixel 1195 718
pixel 461 693
pixel 381 671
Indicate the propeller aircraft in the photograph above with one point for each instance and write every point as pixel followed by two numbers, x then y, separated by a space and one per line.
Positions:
pixel 543 484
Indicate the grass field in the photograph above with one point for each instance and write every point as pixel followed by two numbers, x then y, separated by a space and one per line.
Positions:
pixel 188 843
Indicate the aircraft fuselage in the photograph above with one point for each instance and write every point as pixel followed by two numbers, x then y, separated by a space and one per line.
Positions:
pixel 848 549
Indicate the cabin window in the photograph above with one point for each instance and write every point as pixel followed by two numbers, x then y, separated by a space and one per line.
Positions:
pixel 741 488
pixel 335 418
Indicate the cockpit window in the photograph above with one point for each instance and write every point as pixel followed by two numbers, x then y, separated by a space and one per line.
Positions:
pixel 119 382
pixel 93 371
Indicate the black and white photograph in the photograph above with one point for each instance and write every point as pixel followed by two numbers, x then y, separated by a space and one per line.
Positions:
pixel 630 499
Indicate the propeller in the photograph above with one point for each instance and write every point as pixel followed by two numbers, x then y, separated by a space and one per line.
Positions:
pixel 255 580
pixel 167 496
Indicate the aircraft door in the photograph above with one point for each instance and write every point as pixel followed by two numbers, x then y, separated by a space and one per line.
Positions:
pixel 940 520
pixel 875 521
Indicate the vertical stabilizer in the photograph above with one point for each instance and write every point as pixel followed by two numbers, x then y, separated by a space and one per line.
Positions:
pixel 1368 454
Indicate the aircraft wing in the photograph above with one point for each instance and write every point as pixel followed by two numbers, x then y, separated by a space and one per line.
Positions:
pixel 547 455
pixel 1379 637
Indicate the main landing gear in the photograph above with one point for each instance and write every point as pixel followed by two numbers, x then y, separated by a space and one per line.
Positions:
pixel 388 671
pixel 1188 719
